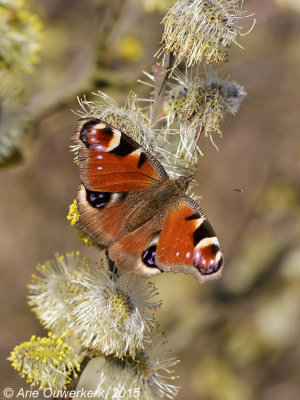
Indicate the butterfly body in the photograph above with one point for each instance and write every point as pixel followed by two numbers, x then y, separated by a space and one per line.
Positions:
pixel 127 202
pixel 161 197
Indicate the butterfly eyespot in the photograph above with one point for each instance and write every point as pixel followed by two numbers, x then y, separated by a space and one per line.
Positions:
pixel 88 128
pixel 210 269
pixel 148 257
pixel 99 136
pixel 215 248
pixel 98 199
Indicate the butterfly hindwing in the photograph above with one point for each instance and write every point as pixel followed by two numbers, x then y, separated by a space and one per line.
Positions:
pixel 101 214
pixel 111 161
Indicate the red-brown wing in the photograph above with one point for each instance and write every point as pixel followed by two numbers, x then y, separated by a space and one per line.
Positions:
pixel 110 161
pixel 188 244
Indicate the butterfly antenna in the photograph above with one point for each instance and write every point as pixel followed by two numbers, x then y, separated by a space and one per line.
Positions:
pixel 195 148
pixel 221 187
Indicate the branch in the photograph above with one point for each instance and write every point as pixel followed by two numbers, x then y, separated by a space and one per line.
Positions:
pixel 161 73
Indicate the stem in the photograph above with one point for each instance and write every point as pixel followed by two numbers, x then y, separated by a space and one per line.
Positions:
pixel 199 132
pixel 161 73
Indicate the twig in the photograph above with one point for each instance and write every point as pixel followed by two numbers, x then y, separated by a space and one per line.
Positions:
pixel 161 73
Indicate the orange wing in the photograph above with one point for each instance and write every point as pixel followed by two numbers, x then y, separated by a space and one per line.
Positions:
pixel 187 243
pixel 110 161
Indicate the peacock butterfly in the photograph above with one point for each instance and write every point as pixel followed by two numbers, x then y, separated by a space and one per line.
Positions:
pixel 128 203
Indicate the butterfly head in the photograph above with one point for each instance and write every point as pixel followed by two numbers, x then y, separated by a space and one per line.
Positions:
pixel 183 182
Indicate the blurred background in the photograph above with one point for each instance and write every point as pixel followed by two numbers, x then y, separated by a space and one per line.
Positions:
pixel 237 338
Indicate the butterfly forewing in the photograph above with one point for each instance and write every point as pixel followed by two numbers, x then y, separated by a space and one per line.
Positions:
pixel 111 161
pixel 188 243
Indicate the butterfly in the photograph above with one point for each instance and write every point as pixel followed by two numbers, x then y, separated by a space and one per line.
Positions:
pixel 128 203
